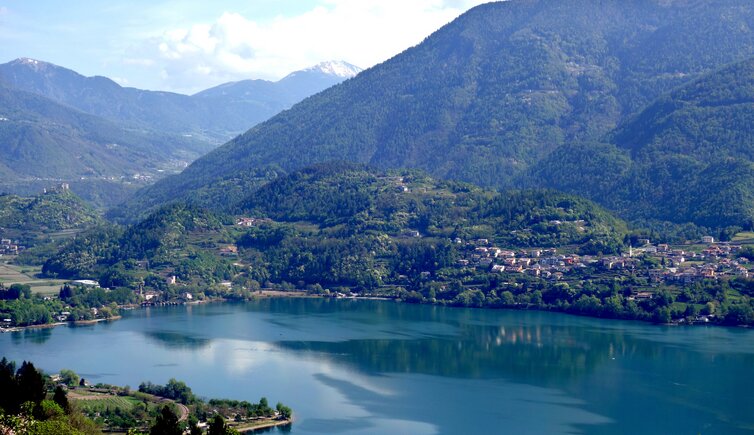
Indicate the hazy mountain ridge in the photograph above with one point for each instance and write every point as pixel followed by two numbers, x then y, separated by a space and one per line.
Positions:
pixel 487 97
pixel 44 139
pixel 106 140
pixel 211 120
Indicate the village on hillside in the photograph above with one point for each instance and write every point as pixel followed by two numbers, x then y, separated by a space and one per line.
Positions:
pixel 656 262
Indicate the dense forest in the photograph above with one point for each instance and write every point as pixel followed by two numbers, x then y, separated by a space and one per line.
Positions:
pixel 494 97
pixel 685 158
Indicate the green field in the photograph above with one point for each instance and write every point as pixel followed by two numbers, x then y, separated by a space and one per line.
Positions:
pixel 107 402
pixel 744 237
pixel 11 274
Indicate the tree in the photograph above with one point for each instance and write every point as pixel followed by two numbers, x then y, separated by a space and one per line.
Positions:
pixel 66 292
pixel 664 298
pixel 61 398
pixel 284 411
pixel 709 308
pixel 166 423
pixel 69 377
pixel 508 298
pixel 739 314
pixel 217 426
pixel 193 424
pixel 31 384
pixel 48 409
pixel 661 315
pixel 264 406
pixel 8 387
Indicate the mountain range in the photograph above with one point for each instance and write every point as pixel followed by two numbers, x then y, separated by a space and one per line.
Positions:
pixel 214 115
pixel 57 125
pixel 513 93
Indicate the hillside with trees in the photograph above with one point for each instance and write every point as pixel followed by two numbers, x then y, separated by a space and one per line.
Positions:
pixel 57 209
pixel 106 141
pixel 332 224
pixel 347 229
pixel 685 158
pixel 488 97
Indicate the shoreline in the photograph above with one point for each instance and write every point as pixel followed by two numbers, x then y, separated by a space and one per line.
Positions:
pixel 299 294
pixel 53 325
pixel 252 429
pixel 261 294
pixel 93 321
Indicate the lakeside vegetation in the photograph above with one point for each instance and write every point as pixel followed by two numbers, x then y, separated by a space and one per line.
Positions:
pixel 342 229
pixel 32 403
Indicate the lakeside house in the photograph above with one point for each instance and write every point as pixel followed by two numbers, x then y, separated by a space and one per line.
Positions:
pixel 229 250
pixel 251 221
pixel 9 247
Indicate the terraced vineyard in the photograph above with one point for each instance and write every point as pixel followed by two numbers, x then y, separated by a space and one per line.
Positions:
pixel 117 412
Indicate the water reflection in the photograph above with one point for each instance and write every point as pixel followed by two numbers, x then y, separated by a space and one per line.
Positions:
pixel 32 335
pixel 621 370
pixel 177 340
pixel 430 405
pixel 524 353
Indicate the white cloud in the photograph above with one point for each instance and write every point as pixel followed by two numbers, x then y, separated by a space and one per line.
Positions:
pixel 234 47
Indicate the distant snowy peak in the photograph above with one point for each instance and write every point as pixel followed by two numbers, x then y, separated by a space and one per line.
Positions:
pixel 34 64
pixel 27 61
pixel 336 68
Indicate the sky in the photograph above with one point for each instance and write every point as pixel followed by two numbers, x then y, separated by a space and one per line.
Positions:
pixel 189 45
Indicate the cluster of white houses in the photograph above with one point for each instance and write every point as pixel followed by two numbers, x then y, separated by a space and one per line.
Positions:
pixel 545 263
pixel 9 247
pixel 674 266
pixel 678 266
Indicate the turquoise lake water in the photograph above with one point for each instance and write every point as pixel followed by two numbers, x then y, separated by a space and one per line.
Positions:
pixel 366 367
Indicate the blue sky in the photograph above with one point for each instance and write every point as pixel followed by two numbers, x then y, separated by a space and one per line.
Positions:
pixel 189 45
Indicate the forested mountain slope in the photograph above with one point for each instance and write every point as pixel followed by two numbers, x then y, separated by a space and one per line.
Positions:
pixel 106 141
pixel 687 157
pixel 40 138
pixel 340 224
pixel 57 209
pixel 487 97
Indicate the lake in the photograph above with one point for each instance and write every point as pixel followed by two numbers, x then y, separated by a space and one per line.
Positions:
pixel 353 366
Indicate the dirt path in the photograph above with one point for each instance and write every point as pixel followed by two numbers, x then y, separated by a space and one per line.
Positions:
pixel 184 412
